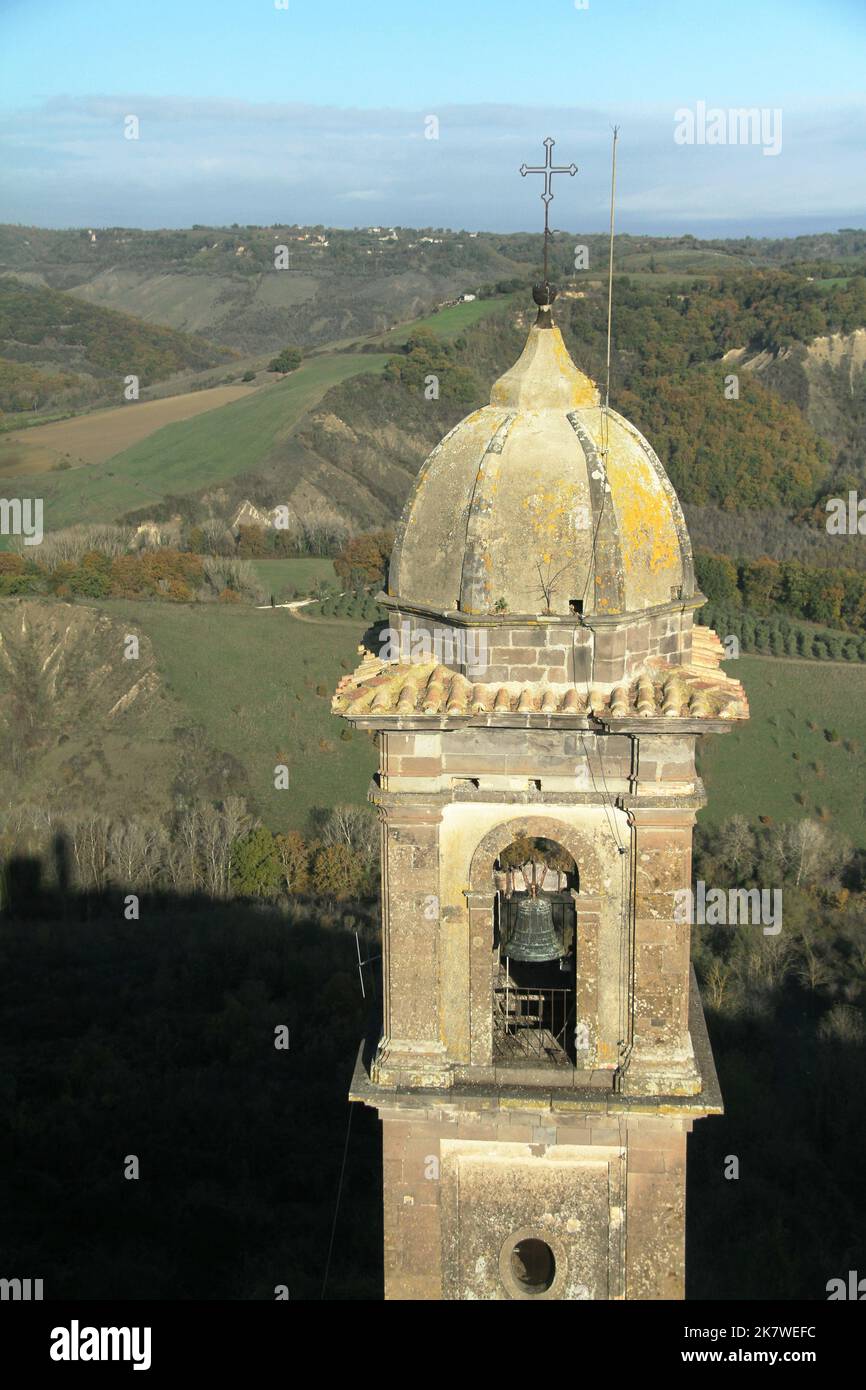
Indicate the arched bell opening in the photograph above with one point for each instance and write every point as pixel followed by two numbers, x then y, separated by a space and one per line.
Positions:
pixel 535 934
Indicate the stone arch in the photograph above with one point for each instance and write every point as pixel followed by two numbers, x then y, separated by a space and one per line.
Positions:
pixel 601 987
pixel 577 842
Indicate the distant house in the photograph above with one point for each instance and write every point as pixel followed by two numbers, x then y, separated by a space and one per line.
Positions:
pixel 466 299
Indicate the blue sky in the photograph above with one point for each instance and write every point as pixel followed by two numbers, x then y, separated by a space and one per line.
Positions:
pixel 316 112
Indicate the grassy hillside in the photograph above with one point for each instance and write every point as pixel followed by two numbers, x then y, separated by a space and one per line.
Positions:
pixel 342 283
pixel 454 319
pixel 781 763
pixel 260 699
pixel 100 434
pixel 250 678
pixel 83 729
pixel 192 454
pixel 365 442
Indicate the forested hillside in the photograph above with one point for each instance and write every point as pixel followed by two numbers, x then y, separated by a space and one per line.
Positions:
pixel 55 348
pixel 362 445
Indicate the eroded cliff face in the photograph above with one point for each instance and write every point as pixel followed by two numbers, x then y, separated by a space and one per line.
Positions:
pixel 83 724
pixel 826 378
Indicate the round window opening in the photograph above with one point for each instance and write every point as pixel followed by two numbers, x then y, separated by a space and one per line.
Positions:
pixel 533 1266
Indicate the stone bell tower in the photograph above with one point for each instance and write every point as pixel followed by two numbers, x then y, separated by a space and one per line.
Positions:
pixel 543 1053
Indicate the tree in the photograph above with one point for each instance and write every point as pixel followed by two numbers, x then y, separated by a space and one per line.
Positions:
pixel 760 580
pixel 736 843
pixel 256 869
pixel 355 826
pixel 294 856
pixel 338 872
pixel 365 557
pixel 286 361
pixel 717 576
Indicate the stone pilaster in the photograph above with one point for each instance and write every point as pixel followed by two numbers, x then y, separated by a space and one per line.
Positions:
pixel 411 1051
pixel 662 1059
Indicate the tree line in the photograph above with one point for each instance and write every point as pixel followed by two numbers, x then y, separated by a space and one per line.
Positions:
pixel 833 597
pixel 213 849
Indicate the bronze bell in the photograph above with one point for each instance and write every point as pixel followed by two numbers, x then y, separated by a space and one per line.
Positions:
pixel 533 936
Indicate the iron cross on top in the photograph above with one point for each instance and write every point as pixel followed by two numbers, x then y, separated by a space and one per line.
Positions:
pixel 548 169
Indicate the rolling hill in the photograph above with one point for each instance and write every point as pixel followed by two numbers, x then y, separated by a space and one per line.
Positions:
pixel 342 284
pixel 57 350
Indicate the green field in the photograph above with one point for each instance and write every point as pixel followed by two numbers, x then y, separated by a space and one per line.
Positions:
pixel 762 767
pixel 449 323
pixel 191 454
pixel 249 677
pixel 280 577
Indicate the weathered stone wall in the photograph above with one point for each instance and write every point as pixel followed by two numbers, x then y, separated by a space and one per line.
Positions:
pixel 662 1059
pixel 605 1191
pixel 548 651
pixel 451 801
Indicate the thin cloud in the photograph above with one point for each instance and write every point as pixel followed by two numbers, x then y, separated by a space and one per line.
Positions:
pixel 67 163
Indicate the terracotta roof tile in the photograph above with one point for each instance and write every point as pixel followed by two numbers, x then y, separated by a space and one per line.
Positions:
pixel 700 690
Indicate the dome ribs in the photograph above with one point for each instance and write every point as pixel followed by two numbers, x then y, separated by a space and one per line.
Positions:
pixel 543 477
pixel 609 577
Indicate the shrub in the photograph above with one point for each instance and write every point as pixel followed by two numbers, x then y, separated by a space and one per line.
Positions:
pixel 287 361
pixel 89 583
pixel 227 572
pixel 15 584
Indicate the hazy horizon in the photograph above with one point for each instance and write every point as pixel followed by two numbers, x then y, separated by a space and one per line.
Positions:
pixel 288 114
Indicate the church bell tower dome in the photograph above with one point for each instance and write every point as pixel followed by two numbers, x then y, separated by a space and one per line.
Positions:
pixel 544 501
